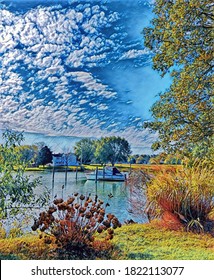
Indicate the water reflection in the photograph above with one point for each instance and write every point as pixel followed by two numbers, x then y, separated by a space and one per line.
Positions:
pixel 117 194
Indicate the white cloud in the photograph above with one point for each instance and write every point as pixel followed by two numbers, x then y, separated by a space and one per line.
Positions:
pixel 131 54
pixel 92 84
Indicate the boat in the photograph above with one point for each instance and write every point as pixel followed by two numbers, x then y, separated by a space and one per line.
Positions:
pixel 107 174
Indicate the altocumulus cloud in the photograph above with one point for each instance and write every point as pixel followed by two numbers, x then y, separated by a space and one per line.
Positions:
pixel 51 57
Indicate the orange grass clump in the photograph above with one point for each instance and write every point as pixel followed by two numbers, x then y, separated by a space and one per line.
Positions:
pixel 183 198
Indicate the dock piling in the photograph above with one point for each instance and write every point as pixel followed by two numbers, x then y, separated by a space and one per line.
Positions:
pixel 96 174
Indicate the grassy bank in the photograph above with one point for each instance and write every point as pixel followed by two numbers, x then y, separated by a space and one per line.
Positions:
pixel 132 242
pixel 151 242
pixel 50 168
pixel 125 167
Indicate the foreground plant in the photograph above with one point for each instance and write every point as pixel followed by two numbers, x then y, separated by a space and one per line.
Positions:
pixel 74 225
pixel 17 190
pixel 183 198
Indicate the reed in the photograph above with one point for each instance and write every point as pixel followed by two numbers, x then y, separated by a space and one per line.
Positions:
pixel 184 197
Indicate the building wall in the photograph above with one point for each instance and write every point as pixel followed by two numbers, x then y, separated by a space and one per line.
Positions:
pixel 63 160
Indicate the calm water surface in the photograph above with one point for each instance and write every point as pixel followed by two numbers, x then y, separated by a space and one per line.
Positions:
pixel 124 203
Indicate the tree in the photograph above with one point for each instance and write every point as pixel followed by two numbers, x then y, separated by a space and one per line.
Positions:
pixel 84 150
pixel 181 36
pixel 16 188
pixel 44 156
pixel 112 149
pixel 28 153
pixel 143 159
pixel 132 159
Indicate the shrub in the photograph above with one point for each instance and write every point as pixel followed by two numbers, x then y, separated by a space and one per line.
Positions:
pixel 75 224
pixel 183 197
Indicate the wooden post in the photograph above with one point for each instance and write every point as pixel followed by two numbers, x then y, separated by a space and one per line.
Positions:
pixel 103 172
pixel 76 172
pixel 63 191
pixel 53 174
pixel 66 175
pixel 53 177
pixel 96 174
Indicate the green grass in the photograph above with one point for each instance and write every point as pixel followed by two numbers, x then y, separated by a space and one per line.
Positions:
pixel 58 168
pixel 154 243
pixel 124 167
pixel 132 242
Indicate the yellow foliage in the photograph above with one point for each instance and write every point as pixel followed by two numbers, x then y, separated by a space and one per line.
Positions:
pixel 2 232
pixel 187 194
pixel 27 247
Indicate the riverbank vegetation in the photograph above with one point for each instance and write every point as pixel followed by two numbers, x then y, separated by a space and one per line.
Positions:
pixel 131 242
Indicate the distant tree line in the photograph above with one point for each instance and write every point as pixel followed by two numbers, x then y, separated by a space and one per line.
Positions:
pixel 105 150
pixel 34 155
pixel 117 150
pixel 161 158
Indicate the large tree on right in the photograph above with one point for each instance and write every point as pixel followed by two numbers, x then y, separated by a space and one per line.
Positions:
pixel 181 37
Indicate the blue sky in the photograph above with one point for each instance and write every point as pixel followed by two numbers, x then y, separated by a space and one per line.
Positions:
pixel 72 69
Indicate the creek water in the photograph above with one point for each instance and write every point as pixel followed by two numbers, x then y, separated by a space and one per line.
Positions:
pixel 124 203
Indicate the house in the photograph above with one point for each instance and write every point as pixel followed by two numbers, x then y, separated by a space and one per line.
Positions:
pixel 65 159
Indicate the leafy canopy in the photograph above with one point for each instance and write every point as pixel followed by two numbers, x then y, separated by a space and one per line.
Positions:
pixel 84 150
pixel 112 149
pixel 181 36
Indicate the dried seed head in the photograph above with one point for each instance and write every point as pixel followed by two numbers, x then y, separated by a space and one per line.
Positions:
pixel 88 215
pixel 57 201
pixel 77 205
pixel 70 200
pixel 100 219
pixel 110 216
pixel 110 237
pixel 82 209
pixel 102 212
pixel 52 209
pixel 107 223
pixel 62 206
pixel 110 231
pixel 100 229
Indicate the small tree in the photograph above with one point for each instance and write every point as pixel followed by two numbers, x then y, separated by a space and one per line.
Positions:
pixel 44 156
pixel 112 149
pixel 28 153
pixel 16 189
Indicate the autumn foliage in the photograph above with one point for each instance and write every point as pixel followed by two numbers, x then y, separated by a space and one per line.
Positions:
pixel 184 198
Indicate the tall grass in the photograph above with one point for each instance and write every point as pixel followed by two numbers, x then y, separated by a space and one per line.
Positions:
pixel 184 197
